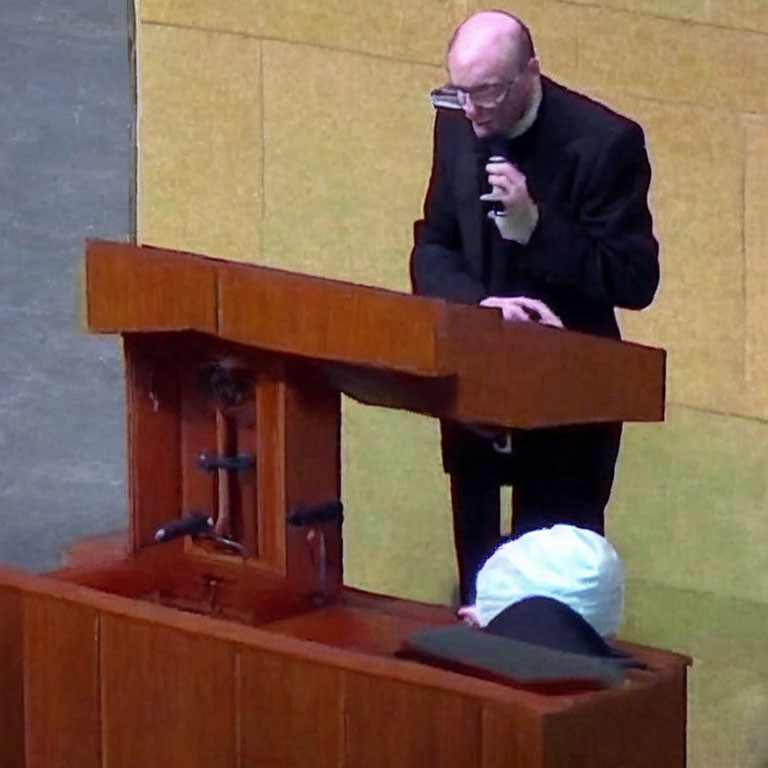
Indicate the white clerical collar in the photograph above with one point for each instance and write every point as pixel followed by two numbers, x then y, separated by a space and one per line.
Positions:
pixel 529 117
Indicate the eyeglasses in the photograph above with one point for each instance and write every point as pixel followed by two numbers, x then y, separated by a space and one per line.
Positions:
pixel 484 95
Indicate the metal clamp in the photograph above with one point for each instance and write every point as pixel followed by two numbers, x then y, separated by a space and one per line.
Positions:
pixel 319 513
pixel 223 541
pixel 239 463
pixel 198 526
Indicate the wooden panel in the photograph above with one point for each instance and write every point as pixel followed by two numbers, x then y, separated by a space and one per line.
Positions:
pixel 354 628
pixel 270 471
pixel 291 712
pixel 546 376
pixel 203 583
pixel 392 389
pixel 511 736
pixel 132 289
pixel 168 697
pixel 617 733
pixel 206 428
pixel 11 680
pixel 409 726
pixel 154 463
pixel 174 685
pixel 61 640
pixel 198 435
pixel 326 319
pixel 508 374
pixel 101 548
pixel 313 477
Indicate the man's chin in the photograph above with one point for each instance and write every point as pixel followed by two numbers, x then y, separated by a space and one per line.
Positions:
pixel 482 130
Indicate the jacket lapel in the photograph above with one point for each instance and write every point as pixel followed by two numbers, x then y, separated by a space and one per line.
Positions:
pixel 468 188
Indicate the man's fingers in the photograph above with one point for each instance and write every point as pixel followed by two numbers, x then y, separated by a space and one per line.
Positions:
pixel 538 311
pixel 510 309
pixel 506 168
pixel 550 318
pixel 514 312
pixel 468 614
pixel 523 309
pixel 504 171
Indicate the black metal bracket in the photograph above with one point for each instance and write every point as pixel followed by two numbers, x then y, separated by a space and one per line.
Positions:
pixel 198 525
pixel 239 463
pixel 192 524
pixel 319 513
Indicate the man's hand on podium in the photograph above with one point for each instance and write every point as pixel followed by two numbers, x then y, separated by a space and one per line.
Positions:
pixel 468 615
pixel 523 309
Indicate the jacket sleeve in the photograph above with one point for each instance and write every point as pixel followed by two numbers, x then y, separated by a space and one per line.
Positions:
pixel 605 252
pixel 438 265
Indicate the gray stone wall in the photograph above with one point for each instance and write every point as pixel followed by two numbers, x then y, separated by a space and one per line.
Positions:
pixel 66 174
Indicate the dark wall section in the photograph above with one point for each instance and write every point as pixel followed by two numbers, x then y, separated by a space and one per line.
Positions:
pixel 66 169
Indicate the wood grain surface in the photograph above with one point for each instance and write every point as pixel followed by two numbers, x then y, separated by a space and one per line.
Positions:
pixel 112 681
pixel 61 683
pixel 387 348
pixel 167 697
pixel 11 678
pixel 153 426
pixel 292 712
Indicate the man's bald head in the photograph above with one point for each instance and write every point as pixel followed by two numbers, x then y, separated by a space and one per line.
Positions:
pixel 492 65
pixel 498 31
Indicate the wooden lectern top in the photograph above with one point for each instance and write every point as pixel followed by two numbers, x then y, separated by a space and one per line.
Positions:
pixel 378 346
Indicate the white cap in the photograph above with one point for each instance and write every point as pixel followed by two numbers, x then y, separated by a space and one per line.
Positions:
pixel 576 566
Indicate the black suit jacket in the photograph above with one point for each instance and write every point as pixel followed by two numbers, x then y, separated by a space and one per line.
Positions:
pixel 593 248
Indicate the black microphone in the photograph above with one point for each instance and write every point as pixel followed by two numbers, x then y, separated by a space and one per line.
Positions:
pixel 194 523
pixel 497 146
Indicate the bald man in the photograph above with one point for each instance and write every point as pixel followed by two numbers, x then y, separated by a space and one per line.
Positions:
pixel 537 205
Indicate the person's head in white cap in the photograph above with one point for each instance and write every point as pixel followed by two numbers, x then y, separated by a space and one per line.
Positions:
pixel 576 566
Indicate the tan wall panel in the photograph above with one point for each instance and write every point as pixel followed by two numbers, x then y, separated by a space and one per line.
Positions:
pixel 732 14
pixel 415 30
pixel 661 59
pixel 728 684
pixel 738 14
pixel 697 199
pixel 756 245
pixel 200 142
pixel 728 710
pixel 690 10
pixel 397 522
pixel 753 51
pixel 348 150
pixel 689 506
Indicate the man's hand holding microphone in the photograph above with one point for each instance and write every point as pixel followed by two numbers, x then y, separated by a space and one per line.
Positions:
pixel 516 216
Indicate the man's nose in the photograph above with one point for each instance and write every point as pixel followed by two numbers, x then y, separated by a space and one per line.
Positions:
pixel 470 110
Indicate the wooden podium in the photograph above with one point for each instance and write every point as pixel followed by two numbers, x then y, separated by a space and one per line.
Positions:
pixel 240 645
